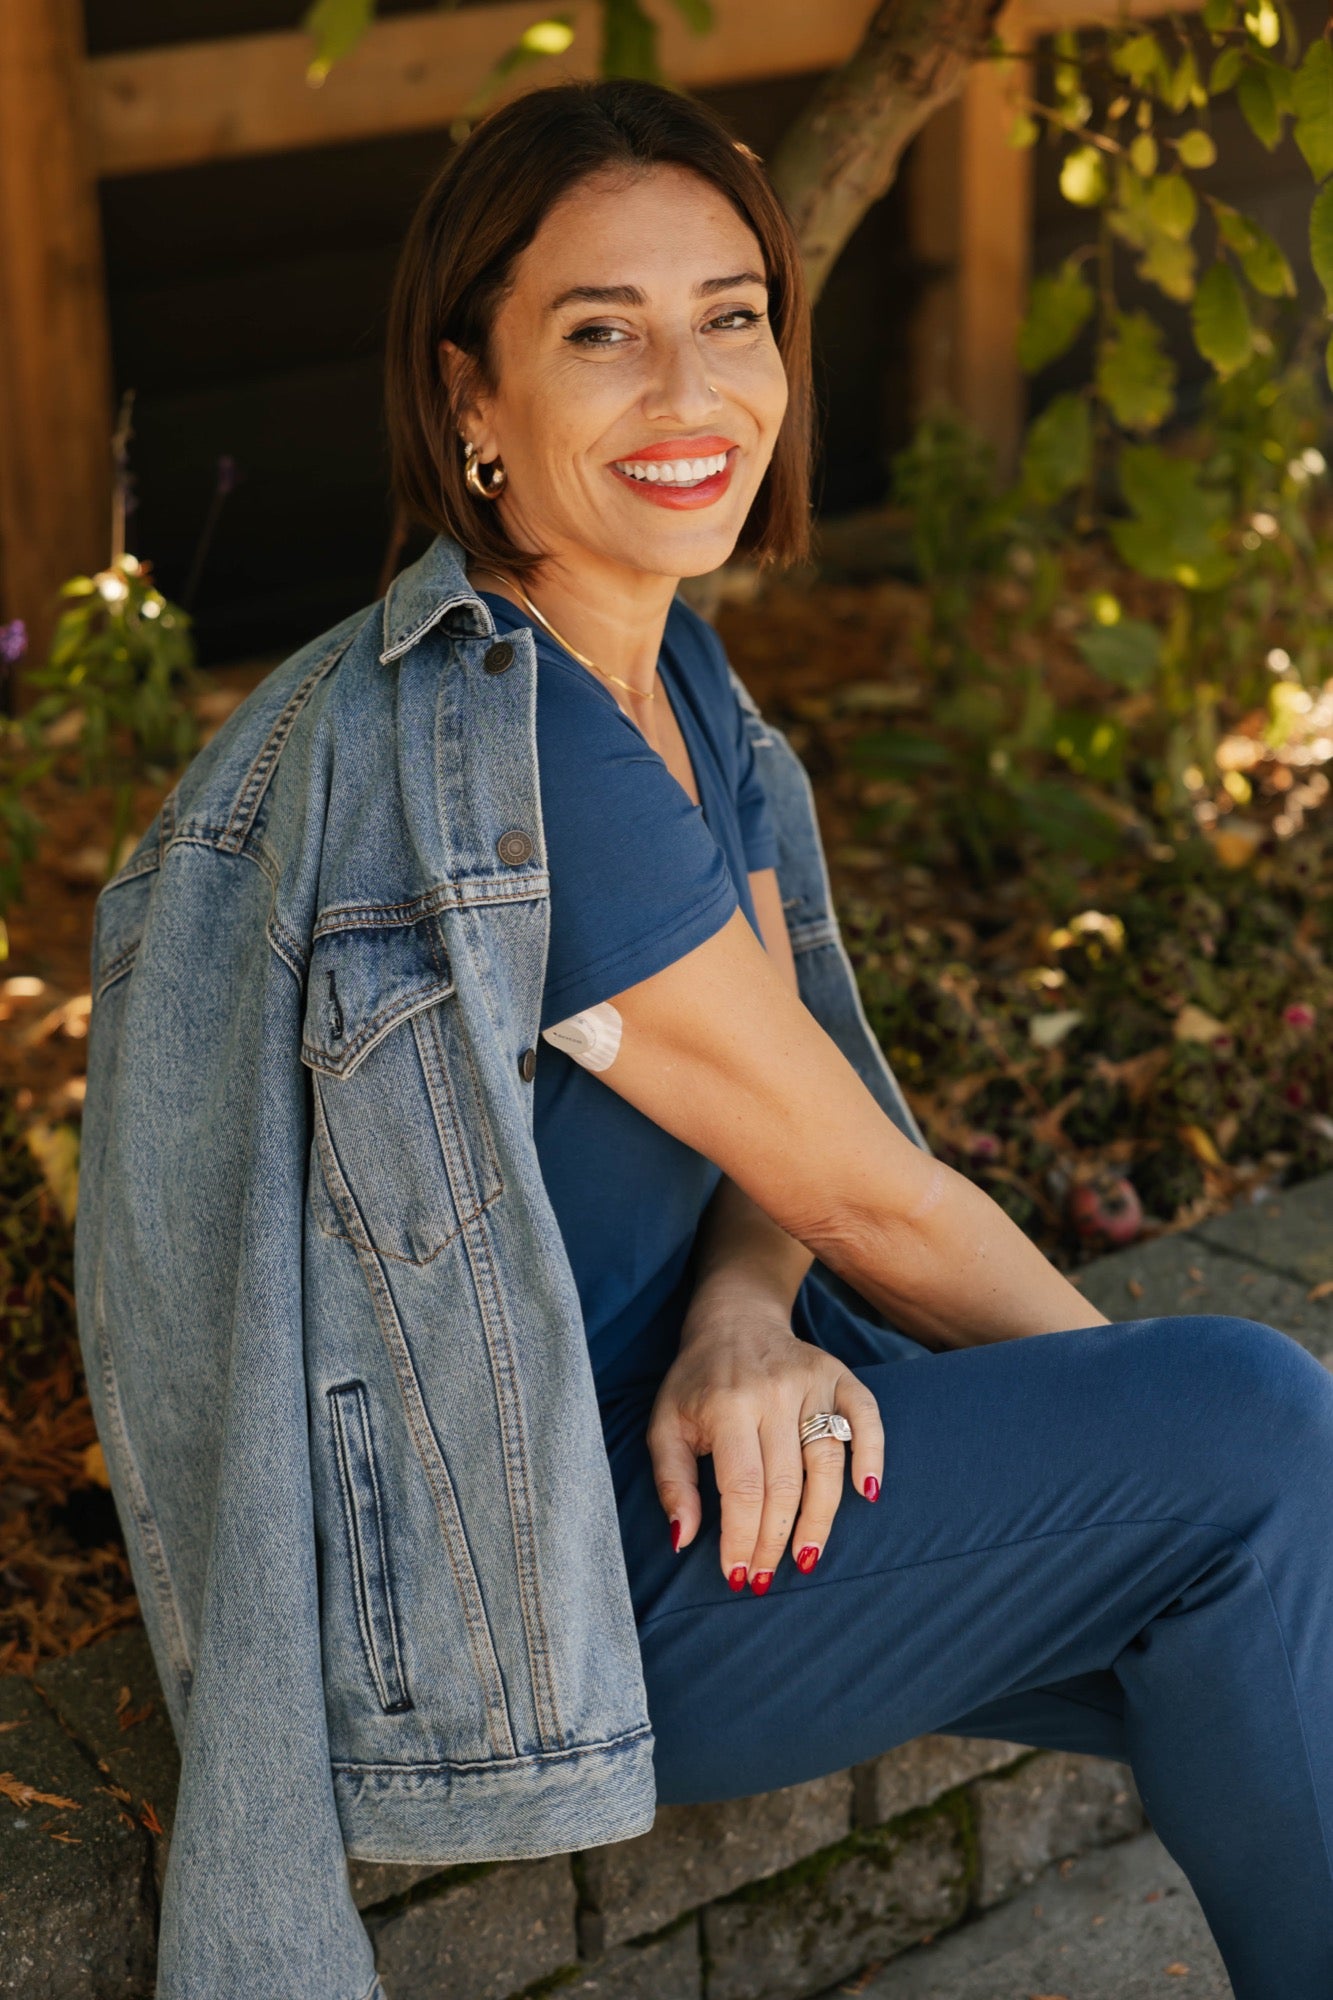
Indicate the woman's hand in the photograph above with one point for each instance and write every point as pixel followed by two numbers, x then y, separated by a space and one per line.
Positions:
pixel 739 1389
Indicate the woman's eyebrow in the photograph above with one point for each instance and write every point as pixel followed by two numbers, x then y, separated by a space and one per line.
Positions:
pixel 630 295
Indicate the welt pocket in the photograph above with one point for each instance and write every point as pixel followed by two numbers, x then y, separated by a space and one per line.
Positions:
pixel 367 1543
pixel 364 979
pixel 404 1155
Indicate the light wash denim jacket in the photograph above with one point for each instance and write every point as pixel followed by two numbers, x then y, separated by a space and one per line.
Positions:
pixel 332 1338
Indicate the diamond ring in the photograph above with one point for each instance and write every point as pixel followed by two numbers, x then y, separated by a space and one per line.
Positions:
pixel 825 1424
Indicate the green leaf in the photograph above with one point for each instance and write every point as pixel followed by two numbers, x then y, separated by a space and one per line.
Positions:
pixel 1263 21
pixel 1328 362
pixel 1255 95
pixel 697 13
pixel 1064 819
pixel 1068 79
pixel 1221 320
pixel 1196 149
pixel 1135 375
pixel 1060 305
pixel 547 38
pixel 1127 653
pixel 1179 88
pixel 1172 206
pixel 1225 70
pixel 1170 266
pixel 1139 58
pixel 1143 154
pixel 1321 239
pixel 1174 533
pixel 1083 177
pixel 1313 89
pixel 1090 742
pixel 629 41
pixel 1024 132
pixel 1218 15
pixel 1260 258
pixel 1128 215
pixel 337 26
pixel 1058 450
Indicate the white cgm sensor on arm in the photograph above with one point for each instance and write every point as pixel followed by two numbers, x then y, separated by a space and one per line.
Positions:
pixel 591 1038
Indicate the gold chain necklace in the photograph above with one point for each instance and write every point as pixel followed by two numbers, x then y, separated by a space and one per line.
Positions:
pixel 645 694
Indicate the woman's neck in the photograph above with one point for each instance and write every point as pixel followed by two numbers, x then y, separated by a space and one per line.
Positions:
pixel 622 636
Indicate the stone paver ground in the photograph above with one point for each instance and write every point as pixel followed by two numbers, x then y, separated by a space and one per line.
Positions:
pixel 1120 1923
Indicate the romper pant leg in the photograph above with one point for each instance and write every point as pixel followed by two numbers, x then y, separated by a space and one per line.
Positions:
pixel 1116 1539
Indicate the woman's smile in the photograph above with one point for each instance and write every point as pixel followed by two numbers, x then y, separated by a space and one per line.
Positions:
pixel 681 481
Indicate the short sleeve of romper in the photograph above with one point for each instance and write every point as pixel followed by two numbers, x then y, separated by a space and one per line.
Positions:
pixel 637 878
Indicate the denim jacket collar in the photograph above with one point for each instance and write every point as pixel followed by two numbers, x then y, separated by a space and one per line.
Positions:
pixel 429 591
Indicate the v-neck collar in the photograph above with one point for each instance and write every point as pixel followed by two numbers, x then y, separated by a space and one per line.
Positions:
pixel 667 680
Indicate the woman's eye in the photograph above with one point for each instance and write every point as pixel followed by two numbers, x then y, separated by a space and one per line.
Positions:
pixel 585 336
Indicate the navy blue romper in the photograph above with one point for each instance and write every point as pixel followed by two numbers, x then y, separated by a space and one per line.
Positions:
pixel 1110 1539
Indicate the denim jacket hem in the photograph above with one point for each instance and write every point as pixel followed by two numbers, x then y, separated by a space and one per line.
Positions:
pixel 493 1811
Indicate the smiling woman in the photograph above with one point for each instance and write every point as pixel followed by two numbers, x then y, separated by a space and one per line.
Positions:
pixel 480 1418
pixel 618 335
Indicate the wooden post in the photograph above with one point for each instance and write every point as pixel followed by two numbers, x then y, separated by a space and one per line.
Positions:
pixel 971 216
pixel 55 366
pixel 970 203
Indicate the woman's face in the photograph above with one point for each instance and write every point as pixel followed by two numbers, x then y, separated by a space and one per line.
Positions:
pixel 679 364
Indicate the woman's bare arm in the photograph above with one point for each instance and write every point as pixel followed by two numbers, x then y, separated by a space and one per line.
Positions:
pixel 719 1050
pixel 740 1252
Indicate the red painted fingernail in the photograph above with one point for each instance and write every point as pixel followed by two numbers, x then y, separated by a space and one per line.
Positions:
pixel 808 1557
pixel 760 1581
pixel 871 1487
pixel 675 1534
pixel 737 1577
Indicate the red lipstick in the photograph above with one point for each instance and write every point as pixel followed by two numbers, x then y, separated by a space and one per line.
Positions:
pixel 665 493
pixel 697 447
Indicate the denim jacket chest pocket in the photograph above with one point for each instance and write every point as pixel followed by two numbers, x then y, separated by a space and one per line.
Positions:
pixel 404 1156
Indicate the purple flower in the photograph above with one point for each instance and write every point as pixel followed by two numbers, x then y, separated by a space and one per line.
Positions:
pixel 13 641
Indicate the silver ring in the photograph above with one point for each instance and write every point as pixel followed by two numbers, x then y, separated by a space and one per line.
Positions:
pixel 825 1424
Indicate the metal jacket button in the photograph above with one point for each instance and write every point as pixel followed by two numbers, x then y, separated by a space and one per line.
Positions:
pixel 514 848
pixel 527 1065
pixel 497 657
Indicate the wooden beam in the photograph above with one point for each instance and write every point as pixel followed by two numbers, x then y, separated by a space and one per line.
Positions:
pixel 175 107
pixel 55 369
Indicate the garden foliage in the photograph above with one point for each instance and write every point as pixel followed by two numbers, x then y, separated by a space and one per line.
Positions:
pixel 116 687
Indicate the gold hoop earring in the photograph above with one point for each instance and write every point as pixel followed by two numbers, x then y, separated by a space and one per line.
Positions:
pixel 473 479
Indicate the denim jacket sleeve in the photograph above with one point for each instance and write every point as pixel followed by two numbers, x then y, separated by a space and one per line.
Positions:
pixel 189 1284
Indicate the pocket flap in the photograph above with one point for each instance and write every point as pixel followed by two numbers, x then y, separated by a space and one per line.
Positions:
pixel 363 979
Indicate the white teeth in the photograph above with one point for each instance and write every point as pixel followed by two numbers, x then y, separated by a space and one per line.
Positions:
pixel 673 471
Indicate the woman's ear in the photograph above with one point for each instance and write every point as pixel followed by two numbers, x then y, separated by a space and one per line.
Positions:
pixel 457 371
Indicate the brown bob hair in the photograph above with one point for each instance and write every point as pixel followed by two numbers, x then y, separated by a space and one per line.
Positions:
pixel 481 211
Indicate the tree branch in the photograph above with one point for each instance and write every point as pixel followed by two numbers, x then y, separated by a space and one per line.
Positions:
pixel 841 154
